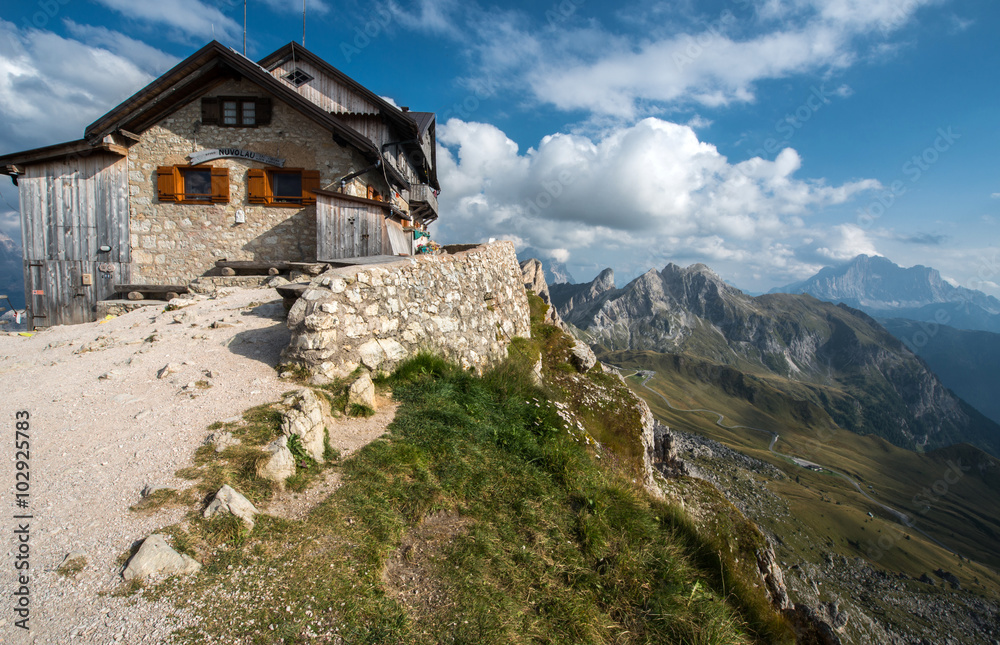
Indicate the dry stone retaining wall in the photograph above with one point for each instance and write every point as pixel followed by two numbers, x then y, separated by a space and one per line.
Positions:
pixel 467 306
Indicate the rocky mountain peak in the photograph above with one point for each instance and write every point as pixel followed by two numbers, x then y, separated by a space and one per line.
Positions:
pixel 693 311
pixel 604 281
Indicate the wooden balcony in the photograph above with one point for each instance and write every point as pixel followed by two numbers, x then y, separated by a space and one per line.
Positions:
pixel 423 202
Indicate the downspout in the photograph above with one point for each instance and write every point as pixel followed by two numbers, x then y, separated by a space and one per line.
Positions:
pixel 347 178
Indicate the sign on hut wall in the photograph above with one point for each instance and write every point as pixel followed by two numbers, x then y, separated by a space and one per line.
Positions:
pixel 220 153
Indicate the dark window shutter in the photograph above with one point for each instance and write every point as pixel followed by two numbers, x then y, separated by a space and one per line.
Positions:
pixel 220 185
pixel 166 183
pixel 256 186
pixel 210 111
pixel 263 111
pixel 310 184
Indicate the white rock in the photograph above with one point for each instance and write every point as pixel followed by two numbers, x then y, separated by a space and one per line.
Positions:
pixel 281 465
pixel 227 500
pixel 156 558
pixel 583 357
pixel 362 392
pixel 394 350
pixel 221 440
pixel 371 354
pixel 305 420
pixel 167 370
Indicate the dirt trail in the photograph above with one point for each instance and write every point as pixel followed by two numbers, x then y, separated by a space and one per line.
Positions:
pixel 103 425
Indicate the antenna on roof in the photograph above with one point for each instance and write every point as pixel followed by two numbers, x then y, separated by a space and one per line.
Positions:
pixel 303 23
pixel 244 28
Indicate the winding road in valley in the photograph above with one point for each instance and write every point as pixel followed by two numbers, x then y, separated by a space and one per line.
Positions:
pixel 903 518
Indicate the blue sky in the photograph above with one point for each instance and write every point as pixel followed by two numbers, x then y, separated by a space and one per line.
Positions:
pixel 765 138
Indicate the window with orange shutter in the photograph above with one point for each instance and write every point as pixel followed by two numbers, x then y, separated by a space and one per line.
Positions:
pixel 282 187
pixel 193 184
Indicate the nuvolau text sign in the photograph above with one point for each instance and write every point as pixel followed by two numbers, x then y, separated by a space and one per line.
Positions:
pixel 219 153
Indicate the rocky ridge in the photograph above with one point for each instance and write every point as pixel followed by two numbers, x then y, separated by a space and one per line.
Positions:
pixel 865 378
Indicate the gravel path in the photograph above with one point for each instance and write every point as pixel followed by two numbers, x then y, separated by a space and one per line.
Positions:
pixel 103 425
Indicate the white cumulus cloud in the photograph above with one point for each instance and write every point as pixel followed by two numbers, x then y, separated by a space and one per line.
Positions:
pixel 642 192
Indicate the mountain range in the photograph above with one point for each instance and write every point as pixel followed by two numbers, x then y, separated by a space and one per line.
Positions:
pixel 884 289
pixel 834 356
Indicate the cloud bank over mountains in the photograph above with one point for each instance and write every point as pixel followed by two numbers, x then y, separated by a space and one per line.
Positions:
pixel 653 186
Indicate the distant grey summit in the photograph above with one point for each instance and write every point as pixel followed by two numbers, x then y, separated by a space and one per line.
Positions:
pixel 884 289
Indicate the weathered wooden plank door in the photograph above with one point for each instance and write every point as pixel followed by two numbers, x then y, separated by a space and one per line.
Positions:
pixel 347 230
pixel 76 237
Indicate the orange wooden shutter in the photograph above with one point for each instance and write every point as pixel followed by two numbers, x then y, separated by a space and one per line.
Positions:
pixel 167 179
pixel 310 184
pixel 256 186
pixel 220 185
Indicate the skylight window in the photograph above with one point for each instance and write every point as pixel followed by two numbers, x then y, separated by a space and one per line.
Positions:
pixel 297 78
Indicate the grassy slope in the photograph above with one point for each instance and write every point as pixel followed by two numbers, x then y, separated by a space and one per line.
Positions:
pixel 514 528
pixel 966 517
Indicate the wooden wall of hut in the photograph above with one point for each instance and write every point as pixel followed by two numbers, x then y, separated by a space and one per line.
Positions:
pixel 70 209
pixel 375 129
pixel 349 229
pixel 325 91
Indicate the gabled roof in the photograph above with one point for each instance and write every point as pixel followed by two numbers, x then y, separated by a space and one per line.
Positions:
pixel 209 66
pixel 292 51
pixel 412 125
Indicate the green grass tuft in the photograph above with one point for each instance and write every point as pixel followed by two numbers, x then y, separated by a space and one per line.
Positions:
pixel 360 410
